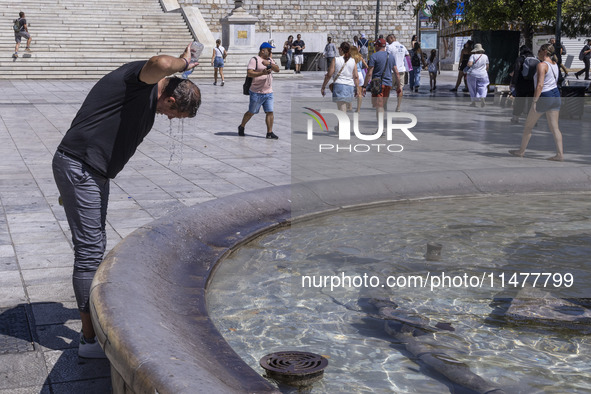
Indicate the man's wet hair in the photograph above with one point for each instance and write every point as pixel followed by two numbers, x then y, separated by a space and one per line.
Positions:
pixel 187 96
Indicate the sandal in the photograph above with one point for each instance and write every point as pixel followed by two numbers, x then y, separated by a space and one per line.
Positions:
pixel 516 153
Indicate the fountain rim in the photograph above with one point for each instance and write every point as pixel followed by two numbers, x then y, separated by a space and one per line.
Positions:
pixel 171 344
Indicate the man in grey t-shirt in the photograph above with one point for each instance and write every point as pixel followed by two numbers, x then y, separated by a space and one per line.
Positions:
pixel 382 64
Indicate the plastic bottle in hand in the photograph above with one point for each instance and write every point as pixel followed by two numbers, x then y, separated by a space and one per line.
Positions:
pixel 196 49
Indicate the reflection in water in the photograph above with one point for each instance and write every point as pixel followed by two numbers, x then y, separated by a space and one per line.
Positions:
pixel 258 303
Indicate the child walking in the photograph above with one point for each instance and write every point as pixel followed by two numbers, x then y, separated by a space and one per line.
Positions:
pixel 433 67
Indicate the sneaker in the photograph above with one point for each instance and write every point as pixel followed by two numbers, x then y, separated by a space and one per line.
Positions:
pixel 28 49
pixel 87 349
pixel 215 83
pixel 222 83
pixel 465 90
pixel 453 90
pixel 272 136
pixel 15 55
pixel 241 131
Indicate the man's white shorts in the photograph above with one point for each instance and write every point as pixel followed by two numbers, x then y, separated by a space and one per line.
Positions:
pixel 299 59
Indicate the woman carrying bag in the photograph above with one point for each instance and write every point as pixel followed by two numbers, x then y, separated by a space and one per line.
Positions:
pixel 217 61
pixel 478 75
pixel 346 82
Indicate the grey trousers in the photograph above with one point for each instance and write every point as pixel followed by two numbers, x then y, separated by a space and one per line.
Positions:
pixel 85 195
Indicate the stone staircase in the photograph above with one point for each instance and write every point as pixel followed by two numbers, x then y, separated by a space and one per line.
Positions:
pixel 87 38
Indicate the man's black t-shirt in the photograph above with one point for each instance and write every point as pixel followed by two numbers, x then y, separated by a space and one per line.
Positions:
pixel 117 114
pixel 299 43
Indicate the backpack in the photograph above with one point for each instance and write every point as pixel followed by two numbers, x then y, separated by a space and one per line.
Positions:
pixel 16 26
pixel 248 80
pixel 581 54
pixel 415 60
pixel 528 69
pixel 363 46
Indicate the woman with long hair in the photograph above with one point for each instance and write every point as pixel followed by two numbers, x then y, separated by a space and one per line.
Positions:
pixel 433 68
pixel 546 100
pixel 217 61
pixel 343 72
pixel 417 61
pixel 361 69
pixel 288 51
pixel 464 57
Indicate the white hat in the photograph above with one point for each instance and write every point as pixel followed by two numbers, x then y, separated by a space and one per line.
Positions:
pixel 478 48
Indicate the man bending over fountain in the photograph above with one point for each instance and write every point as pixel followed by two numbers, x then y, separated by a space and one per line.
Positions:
pixel 115 117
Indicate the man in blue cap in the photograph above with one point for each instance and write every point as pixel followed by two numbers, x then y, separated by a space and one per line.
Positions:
pixel 260 69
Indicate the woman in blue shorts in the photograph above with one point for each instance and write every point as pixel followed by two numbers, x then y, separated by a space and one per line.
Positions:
pixel 546 100
pixel 217 61
pixel 343 72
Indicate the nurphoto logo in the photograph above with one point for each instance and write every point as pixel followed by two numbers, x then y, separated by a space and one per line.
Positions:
pixel 393 124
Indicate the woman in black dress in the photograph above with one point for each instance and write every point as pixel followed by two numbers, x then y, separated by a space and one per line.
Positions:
pixel 464 57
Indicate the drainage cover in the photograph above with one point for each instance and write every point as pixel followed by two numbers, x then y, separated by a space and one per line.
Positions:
pixel 294 368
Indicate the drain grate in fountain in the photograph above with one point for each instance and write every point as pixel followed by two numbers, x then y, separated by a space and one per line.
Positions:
pixel 294 368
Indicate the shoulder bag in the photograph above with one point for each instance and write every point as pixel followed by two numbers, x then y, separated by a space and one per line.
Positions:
pixel 331 86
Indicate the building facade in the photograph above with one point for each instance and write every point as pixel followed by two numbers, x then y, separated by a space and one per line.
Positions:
pixel 340 20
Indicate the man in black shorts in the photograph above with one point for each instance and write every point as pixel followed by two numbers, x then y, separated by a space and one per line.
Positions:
pixel 115 117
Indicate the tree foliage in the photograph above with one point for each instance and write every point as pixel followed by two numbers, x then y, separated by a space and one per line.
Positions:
pixel 499 14
pixel 576 19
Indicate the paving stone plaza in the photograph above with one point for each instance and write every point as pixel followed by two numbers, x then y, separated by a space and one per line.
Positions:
pixel 180 163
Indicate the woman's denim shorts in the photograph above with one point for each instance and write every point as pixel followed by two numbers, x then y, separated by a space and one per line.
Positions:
pixel 548 101
pixel 218 62
pixel 343 93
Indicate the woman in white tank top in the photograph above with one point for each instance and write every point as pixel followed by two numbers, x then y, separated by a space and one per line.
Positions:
pixel 343 73
pixel 546 100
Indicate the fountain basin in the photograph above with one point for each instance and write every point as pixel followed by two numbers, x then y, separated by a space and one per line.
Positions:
pixel 148 297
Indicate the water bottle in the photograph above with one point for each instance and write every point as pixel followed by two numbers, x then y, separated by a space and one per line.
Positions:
pixel 196 49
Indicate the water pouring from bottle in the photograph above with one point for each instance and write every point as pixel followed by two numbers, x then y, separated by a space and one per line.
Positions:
pixel 196 50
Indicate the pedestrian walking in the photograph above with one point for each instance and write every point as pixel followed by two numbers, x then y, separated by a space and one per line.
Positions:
pixel 330 51
pixel 522 84
pixel 560 50
pixel 21 30
pixel 288 51
pixel 478 75
pixel 464 58
pixel 433 68
pixel 260 69
pixel 217 61
pixel 345 81
pixel 400 54
pixel 546 100
pixel 363 45
pixel 298 46
pixel 417 61
pixel 383 75
pixel 361 71
pixel 117 114
pixel 585 56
